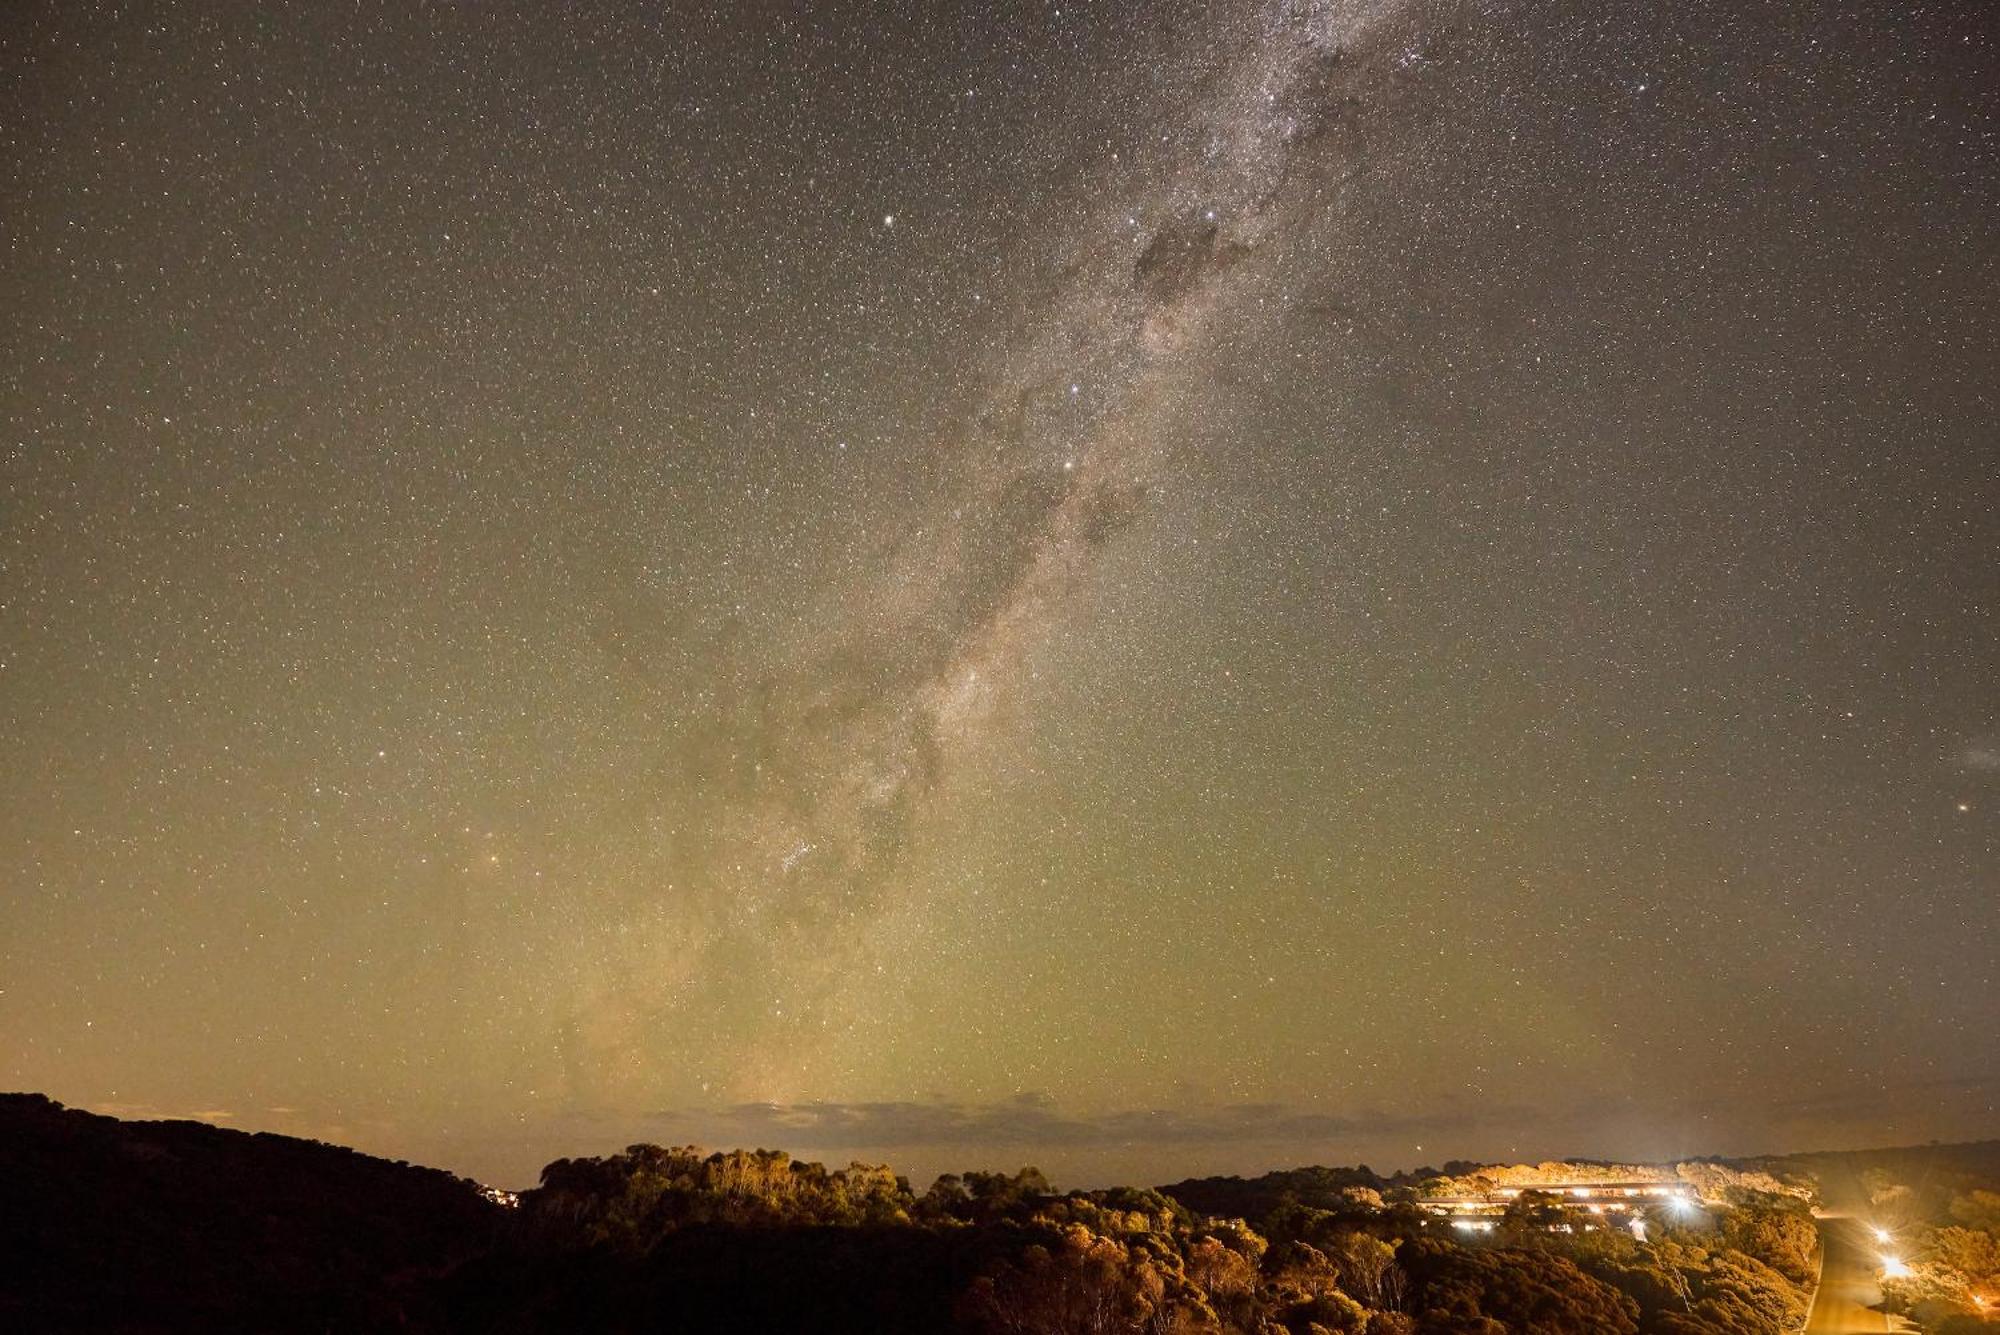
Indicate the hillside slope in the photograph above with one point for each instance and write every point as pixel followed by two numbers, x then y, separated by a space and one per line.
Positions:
pixel 205 1228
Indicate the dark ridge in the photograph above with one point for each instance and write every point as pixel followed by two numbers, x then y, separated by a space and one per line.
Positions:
pixel 110 1225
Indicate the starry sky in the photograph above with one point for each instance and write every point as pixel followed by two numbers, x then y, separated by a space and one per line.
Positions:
pixel 1147 588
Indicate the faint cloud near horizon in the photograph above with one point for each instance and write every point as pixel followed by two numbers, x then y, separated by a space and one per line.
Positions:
pixel 1034 1120
pixel 1636 1128
pixel 146 1112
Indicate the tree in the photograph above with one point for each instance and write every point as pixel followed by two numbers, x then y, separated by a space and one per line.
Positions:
pixel 1368 1270
pixel 1332 1313
pixel 1978 1209
pixel 1391 1323
pixel 1225 1274
pixel 1458 1290
pixel 1777 1231
pixel 1970 1252
pixel 1530 1218
pixel 1075 1284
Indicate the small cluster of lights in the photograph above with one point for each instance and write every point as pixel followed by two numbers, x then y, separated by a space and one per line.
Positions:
pixel 1586 1193
pixel 1613 1204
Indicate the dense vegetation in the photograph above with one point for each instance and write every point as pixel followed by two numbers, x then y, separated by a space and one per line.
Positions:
pixel 159 1226
pixel 1941 1207
pixel 1953 1284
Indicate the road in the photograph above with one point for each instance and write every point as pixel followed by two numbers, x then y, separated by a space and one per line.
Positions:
pixel 1847 1284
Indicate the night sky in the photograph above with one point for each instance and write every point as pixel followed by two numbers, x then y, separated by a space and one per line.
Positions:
pixel 1143 588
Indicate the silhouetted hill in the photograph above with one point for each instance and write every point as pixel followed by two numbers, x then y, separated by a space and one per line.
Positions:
pixel 1914 1181
pixel 1933 1173
pixel 1254 1197
pixel 1972 1161
pixel 136 1226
